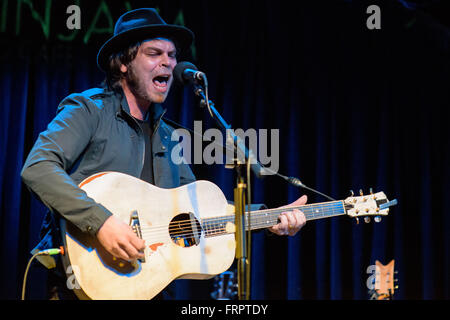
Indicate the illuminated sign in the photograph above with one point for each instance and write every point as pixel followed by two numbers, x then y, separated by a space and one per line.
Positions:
pixel 74 20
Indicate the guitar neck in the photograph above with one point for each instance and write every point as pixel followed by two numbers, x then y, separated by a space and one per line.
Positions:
pixel 266 218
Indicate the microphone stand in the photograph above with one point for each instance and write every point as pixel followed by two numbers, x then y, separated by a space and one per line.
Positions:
pixel 242 238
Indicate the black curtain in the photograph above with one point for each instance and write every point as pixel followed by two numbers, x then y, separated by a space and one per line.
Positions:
pixel 355 108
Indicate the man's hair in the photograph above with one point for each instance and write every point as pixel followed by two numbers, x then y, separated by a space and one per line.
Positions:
pixel 113 73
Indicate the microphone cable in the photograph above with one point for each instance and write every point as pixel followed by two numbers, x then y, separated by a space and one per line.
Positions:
pixel 296 182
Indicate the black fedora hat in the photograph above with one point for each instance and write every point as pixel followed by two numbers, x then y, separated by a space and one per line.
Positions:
pixel 138 25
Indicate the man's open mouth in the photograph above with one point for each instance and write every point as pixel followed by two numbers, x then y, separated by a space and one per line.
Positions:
pixel 161 81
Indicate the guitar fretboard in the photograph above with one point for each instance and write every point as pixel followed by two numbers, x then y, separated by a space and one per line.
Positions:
pixel 269 217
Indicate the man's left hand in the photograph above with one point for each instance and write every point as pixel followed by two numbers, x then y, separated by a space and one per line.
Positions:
pixel 291 221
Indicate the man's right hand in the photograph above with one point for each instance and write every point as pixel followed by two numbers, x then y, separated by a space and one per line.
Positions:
pixel 119 239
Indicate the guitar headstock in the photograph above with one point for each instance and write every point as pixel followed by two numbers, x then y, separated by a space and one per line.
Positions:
pixel 373 204
pixel 384 281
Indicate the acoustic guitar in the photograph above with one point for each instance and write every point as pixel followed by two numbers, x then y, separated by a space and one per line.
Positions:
pixel 189 233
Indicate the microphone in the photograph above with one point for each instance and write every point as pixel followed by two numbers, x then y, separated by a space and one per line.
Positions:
pixel 186 72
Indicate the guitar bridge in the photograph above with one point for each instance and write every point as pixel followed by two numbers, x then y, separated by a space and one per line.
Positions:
pixel 136 226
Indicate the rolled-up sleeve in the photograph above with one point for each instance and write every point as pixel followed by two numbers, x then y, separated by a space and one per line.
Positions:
pixel 54 153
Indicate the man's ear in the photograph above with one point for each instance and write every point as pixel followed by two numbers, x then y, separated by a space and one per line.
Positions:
pixel 123 68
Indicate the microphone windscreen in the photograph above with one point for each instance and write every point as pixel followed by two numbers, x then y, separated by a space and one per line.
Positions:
pixel 179 70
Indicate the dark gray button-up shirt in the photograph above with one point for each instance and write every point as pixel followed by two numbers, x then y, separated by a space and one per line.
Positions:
pixel 92 132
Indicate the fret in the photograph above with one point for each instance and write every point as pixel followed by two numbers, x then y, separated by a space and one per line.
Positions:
pixel 269 217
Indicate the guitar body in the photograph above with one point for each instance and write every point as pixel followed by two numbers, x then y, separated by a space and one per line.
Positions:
pixel 176 247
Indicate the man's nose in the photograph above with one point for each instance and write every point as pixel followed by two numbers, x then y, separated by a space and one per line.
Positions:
pixel 168 62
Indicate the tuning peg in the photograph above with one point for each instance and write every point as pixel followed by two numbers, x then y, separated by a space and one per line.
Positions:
pixel 396 287
pixel 377 219
pixel 357 220
pixel 371 191
pixel 351 193
pixel 361 192
pixel 367 219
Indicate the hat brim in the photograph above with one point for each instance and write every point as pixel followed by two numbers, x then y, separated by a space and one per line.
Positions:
pixel 181 36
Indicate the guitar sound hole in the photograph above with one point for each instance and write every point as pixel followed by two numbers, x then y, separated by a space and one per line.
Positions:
pixel 185 230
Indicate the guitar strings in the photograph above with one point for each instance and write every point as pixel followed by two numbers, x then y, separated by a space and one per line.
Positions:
pixel 259 214
pixel 211 229
pixel 208 233
pixel 192 234
pixel 218 221
pixel 220 224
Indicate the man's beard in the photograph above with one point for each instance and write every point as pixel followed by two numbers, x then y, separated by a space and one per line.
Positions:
pixel 136 85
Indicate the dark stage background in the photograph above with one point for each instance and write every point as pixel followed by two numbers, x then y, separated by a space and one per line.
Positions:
pixel 356 108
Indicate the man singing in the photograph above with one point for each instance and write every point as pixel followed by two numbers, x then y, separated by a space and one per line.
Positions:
pixel 116 128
